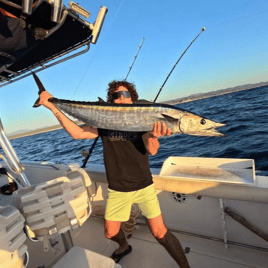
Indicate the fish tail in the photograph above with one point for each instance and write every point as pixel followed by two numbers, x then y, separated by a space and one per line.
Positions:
pixel 36 104
pixel 41 89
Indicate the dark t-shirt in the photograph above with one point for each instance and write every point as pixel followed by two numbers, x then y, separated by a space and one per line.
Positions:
pixel 126 160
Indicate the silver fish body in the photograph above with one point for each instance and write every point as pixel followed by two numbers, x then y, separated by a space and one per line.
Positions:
pixel 134 117
pixel 138 117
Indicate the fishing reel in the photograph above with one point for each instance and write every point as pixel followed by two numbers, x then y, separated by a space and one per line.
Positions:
pixel 85 153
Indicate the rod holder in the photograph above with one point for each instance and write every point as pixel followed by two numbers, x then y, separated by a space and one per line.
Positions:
pixel 27 6
pixel 98 24
pixel 56 11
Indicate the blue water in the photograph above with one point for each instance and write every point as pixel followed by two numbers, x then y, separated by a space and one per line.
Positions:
pixel 244 113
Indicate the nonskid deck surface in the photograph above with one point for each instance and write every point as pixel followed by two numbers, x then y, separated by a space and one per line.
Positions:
pixel 147 253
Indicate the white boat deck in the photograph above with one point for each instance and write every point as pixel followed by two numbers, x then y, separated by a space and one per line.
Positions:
pixel 147 253
pixel 198 216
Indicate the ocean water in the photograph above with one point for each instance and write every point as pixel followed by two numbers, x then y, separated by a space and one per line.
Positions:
pixel 244 113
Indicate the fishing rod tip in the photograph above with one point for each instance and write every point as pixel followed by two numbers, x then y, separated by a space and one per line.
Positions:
pixel 203 29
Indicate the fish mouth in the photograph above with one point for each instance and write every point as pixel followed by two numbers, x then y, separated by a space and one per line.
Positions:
pixel 209 132
pixel 213 132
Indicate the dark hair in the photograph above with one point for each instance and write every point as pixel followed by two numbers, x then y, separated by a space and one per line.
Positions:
pixel 114 85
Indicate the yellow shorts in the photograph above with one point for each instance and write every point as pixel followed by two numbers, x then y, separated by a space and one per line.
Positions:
pixel 119 204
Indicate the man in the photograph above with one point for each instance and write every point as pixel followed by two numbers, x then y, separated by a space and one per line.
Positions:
pixel 128 173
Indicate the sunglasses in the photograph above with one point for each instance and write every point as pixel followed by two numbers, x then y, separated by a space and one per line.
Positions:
pixel 118 94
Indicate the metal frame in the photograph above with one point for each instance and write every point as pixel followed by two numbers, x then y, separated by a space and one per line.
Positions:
pixel 27 7
pixel 96 28
pixel 42 63
pixel 13 161
pixel 4 67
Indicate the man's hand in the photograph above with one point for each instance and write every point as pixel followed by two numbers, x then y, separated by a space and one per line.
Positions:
pixel 150 138
pixel 44 97
pixel 160 129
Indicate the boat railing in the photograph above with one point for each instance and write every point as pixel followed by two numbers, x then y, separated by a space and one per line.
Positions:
pixel 12 159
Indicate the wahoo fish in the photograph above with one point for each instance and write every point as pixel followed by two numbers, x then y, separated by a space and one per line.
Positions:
pixel 139 116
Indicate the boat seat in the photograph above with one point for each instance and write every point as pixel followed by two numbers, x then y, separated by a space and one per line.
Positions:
pixel 82 258
pixel 13 251
pixel 56 206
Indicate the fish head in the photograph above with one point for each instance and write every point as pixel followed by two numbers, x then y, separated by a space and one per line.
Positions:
pixel 196 125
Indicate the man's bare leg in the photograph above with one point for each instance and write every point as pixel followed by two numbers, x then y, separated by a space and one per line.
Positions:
pixel 168 241
pixel 114 232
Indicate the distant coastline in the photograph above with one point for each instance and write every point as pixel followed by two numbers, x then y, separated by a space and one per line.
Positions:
pixel 195 97
pixel 190 98
pixel 37 131
pixel 33 132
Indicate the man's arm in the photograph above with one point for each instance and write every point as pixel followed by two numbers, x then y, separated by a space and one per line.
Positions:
pixel 150 139
pixel 76 132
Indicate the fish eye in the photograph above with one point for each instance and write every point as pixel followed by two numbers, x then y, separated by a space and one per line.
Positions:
pixel 203 121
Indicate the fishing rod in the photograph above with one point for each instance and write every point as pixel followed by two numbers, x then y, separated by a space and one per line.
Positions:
pixel 135 57
pixel 202 30
pixel 92 147
pixel 87 153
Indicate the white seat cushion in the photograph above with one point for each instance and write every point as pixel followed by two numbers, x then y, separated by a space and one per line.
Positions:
pixel 56 206
pixel 12 238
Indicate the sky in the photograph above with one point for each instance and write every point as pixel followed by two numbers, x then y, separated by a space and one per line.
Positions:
pixel 232 51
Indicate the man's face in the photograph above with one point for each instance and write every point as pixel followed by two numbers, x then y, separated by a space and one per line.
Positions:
pixel 122 99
